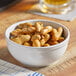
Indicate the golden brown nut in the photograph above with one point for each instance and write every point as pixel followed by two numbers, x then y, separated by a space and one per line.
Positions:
pixel 61 39
pixel 42 42
pixel 36 43
pixel 31 29
pixel 57 33
pixel 24 25
pixel 39 26
pixel 27 44
pixel 28 30
pixel 60 30
pixel 25 31
pixel 25 38
pixel 53 42
pixel 46 45
pixel 36 36
pixel 17 40
pixel 46 30
pixel 45 39
pixel 16 32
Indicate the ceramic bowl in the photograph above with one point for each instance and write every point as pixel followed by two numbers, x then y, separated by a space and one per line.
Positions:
pixel 37 56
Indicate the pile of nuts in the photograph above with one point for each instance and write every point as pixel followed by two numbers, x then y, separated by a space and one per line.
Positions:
pixel 36 35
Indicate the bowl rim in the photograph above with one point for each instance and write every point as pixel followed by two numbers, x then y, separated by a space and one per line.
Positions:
pixel 24 21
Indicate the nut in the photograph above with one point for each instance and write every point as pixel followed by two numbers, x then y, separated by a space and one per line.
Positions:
pixel 31 29
pixel 38 26
pixel 36 43
pixel 61 39
pixel 45 39
pixel 27 44
pixel 57 33
pixel 53 42
pixel 46 30
pixel 17 40
pixel 25 38
pixel 36 36
pixel 47 45
pixel 24 25
pixel 16 32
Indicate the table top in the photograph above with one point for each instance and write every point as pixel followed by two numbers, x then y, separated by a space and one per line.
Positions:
pixel 7 18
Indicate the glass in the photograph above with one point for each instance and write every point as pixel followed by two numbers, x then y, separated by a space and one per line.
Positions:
pixel 56 6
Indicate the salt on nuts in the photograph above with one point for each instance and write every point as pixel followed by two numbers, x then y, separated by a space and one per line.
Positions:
pixel 46 30
pixel 16 32
pixel 38 26
pixel 57 33
pixel 25 38
pixel 36 43
pixel 36 36
pixel 17 40
pixel 27 44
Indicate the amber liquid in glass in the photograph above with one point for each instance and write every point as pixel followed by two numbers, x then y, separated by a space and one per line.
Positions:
pixel 56 6
pixel 56 2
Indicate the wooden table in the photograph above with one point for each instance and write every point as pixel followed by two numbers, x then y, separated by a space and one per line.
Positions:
pixel 17 13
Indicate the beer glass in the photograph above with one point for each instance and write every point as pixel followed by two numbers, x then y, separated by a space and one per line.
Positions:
pixel 56 6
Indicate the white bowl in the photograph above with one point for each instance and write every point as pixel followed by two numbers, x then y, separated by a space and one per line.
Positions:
pixel 37 56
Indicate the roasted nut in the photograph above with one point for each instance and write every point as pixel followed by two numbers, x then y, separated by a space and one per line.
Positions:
pixel 16 32
pixel 60 30
pixel 39 26
pixel 31 29
pixel 28 30
pixel 45 39
pixel 42 42
pixel 24 25
pixel 53 42
pixel 17 40
pixel 25 31
pixel 36 36
pixel 61 39
pixel 46 44
pixel 57 33
pixel 36 43
pixel 27 44
pixel 25 38
pixel 46 30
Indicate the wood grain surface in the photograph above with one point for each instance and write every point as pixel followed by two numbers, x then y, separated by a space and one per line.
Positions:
pixel 66 66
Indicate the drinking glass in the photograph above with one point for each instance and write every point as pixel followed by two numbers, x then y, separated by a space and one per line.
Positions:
pixel 56 6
